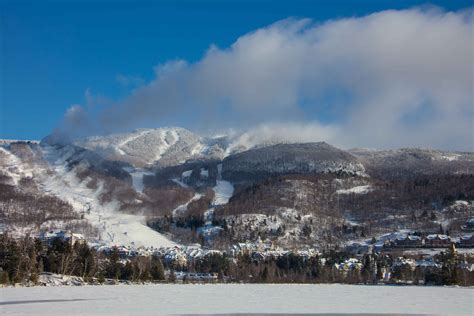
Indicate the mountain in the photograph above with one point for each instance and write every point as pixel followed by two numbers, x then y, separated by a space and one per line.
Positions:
pixel 168 186
pixel 406 162
pixel 147 146
pixel 305 158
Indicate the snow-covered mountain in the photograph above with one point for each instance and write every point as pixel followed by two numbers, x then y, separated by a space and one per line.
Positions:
pixel 159 187
pixel 148 146
pixel 307 158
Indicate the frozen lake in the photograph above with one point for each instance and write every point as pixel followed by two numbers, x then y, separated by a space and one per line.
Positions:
pixel 234 298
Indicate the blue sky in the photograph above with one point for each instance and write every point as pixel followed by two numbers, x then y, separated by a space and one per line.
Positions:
pixel 53 51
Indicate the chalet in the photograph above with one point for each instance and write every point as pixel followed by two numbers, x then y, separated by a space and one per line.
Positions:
pixel 466 241
pixel 437 241
pixel 125 252
pixel 349 264
pixel 73 238
pixel 408 241
pixel 404 263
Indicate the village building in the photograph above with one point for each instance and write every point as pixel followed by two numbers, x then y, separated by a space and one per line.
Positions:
pixel 466 241
pixel 408 241
pixel 437 241
pixel 49 236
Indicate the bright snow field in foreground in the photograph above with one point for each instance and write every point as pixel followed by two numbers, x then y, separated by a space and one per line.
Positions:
pixel 235 298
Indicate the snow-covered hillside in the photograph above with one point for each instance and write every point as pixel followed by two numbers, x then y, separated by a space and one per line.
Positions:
pixel 115 227
pixel 124 189
pixel 54 177
pixel 147 146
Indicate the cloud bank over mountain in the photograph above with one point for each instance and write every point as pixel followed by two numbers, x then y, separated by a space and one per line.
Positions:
pixel 389 79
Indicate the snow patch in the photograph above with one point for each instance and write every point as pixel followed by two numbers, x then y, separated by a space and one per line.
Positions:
pixel 186 174
pixel 184 207
pixel 137 179
pixel 223 192
pixel 204 173
pixel 361 189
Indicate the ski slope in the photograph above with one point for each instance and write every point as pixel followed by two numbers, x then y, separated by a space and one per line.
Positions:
pixel 116 228
pixel 223 192
pixel 137 178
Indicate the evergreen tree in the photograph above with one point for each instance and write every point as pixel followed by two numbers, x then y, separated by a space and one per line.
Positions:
pixel 157 269
pixel 113 266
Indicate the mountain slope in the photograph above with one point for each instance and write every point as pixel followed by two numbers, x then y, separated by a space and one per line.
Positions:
pixel 167 186
pixel 146 146
pixel 308 158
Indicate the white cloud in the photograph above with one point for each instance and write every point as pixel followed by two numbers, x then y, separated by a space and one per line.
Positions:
pixel 407 78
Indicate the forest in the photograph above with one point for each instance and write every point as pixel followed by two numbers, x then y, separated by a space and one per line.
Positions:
pixel 23 260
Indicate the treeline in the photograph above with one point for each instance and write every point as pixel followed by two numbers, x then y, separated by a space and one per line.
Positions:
pixel 331 267
pixel 26 206
pixel 162 200
pixel 183 224
pixel 423 192
pixel 23 260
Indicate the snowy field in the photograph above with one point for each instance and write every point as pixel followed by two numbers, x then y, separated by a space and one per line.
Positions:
pixel 235 298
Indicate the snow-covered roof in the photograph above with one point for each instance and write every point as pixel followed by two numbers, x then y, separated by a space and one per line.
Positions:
pixel 186 174
pixel 437 236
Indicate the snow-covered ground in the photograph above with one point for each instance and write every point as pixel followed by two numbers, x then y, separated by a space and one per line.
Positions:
pixel 183 207
pixel 145 146
pixel 14 167
pixel 236 298
pixel 223 192
pixel 361 189
pixel 137 178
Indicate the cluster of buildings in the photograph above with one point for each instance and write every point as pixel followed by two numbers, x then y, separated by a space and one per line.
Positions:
pixel 177 255
pixel 196 277
pixel 126 252
pixel 412 264
pixel 68 236
pixel 180 256
pixel 349 264
pixel 432 241
pixel 396 241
